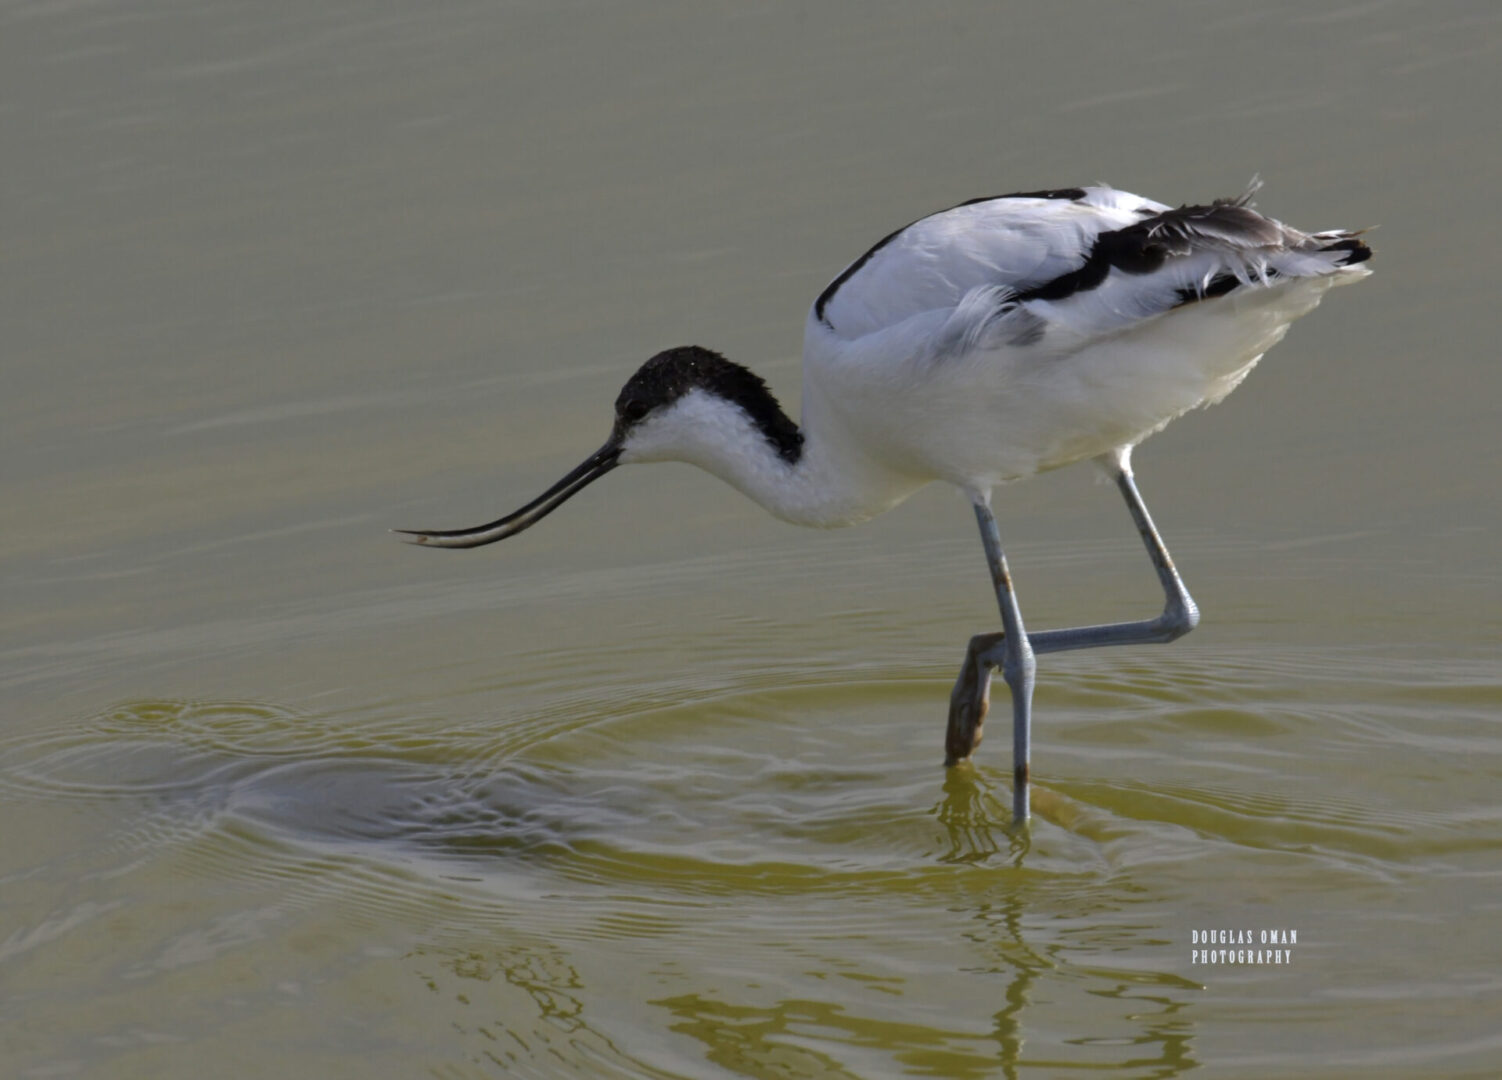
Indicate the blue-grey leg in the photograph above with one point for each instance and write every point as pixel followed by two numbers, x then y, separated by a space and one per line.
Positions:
pixel 971 697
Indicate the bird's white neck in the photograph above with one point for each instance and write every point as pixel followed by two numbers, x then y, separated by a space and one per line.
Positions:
pixel 827 484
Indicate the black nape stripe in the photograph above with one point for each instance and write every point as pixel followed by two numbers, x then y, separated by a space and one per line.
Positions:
pixel 670 375
pixel 850 271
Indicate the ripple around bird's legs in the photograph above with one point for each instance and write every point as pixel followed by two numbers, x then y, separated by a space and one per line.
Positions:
pixel 771 868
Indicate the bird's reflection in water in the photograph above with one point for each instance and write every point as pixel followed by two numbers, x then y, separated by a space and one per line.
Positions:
pixel 978 821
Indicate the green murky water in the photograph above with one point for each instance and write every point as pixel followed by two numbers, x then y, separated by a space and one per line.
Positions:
pixel 654 790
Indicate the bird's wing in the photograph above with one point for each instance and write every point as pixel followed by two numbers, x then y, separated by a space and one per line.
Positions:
pixel 1067 266
pixel 1009 242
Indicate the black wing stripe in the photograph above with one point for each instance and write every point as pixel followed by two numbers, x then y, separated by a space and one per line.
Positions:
pixel 1145 246
pixel 850 271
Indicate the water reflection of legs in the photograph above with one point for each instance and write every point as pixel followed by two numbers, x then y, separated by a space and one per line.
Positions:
pixel 1149 1018
pixel 972 815
pixel 1025 997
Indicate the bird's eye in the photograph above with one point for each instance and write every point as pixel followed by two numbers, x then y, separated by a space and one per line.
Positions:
pixel 634 409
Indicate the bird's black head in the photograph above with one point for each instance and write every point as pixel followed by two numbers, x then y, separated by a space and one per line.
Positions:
pixel 653 391
pixel 670 375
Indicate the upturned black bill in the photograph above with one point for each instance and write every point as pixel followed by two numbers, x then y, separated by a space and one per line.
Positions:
pixel 595 466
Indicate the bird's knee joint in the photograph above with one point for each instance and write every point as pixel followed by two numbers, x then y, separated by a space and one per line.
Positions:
pixel 1177 620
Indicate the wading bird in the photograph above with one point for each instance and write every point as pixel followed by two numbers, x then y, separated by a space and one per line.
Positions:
pixel 979 345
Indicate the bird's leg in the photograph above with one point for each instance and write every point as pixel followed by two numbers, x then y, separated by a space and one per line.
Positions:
pixel 970 699
pixel 1180 613
pixel 1012 651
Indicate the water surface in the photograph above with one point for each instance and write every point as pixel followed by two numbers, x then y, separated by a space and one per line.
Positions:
pixel 654 789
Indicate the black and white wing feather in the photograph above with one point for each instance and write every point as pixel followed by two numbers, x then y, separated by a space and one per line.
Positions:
pixel 1064 267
